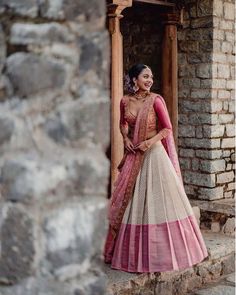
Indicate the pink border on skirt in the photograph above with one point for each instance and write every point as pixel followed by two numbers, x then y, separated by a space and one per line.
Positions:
pixel 167 246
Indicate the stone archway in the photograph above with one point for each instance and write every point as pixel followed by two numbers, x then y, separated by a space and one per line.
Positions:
pixel 170 20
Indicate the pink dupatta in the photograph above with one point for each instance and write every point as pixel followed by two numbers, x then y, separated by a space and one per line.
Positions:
pixel 123 189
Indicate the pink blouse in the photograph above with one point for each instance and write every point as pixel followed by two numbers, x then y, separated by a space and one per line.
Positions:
pixel 157 116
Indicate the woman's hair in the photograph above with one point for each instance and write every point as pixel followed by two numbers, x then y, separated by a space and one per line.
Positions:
pixel 133 72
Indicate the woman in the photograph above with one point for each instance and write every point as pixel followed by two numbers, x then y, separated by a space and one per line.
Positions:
pixel 152 224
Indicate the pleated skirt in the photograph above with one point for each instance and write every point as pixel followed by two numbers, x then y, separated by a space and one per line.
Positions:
pixel 159 231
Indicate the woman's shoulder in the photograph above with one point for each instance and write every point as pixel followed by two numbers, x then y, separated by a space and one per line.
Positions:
pixel 125 98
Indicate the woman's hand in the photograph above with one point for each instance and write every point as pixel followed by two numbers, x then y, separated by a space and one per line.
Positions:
pixel 129 145
pixel 143 146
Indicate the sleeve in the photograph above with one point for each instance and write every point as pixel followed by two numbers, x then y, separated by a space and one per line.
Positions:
pixel 122 113
pixel 162 113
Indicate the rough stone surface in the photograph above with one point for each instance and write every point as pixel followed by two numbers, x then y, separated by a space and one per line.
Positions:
pixel 54 142
pixel 30 73
pixel 40 34
pixel 58 9
pixel 18 247
pixel 23 7
pixel 7 127
pixel 218 290
pixel 72 236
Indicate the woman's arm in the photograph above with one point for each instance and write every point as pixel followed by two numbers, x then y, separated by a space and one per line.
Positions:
pixel 163 120
pixel 123 123
pixel 124 129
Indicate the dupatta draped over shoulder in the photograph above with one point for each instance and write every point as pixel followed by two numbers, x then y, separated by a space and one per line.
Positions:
pixel 131 164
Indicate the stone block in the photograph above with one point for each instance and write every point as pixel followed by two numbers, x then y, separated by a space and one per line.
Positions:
pixel 228 195
pixel 184 163
pixel 201 93
pixel 230 130
pixel 223 71
pixel 228 142
pixel 191 46
pixel 186 82
pixel 207 46
pixel 212 166
pixel 226 118
pixel 209 154
pixel 213 131
pixel 189 153
pixel 219 83
pixel 202 23
pixel 229 227
pixel 23 7
pixel 186 71
pixel 71 10
pixel 196 58
pixel 186 131
pixel 231 186
pixel 195 164
pixel 74 233
pixel 40 34
pixel 18 249
pixel 203 118
pixel 224 94
pixel 75 174
pixel 204 71
pixel 227 47
pixel 200 34
pixel 231 106
pixel 211 193
pixel 7 129
pixel 205 8
pixel 230 84
pixel 2 49
pixel 199 179
pixel 229 11
pixel 229 36
pixel 225 177
pixel 30 73
pixel 219 58
pixel 73 122
pixel 199 132
pixel 226 25
pixel 228 167
pixel 217 8
pixel 232 157
pixel 202 142
pixel 206 83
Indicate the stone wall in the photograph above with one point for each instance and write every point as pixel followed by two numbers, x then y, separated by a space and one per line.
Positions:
pixel 54 63
pixel 206 99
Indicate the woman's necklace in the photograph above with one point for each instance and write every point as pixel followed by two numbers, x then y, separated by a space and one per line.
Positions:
pixel 141 96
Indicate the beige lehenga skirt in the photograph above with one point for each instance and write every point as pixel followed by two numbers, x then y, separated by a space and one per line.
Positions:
pixel 159 231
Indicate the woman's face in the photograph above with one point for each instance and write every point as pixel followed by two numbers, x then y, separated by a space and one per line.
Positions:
pixel 144 80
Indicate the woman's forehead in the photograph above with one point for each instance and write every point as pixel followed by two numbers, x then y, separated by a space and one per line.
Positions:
pixel 146 71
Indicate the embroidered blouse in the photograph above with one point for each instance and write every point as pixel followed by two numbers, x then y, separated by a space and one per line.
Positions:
pixel 156 116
